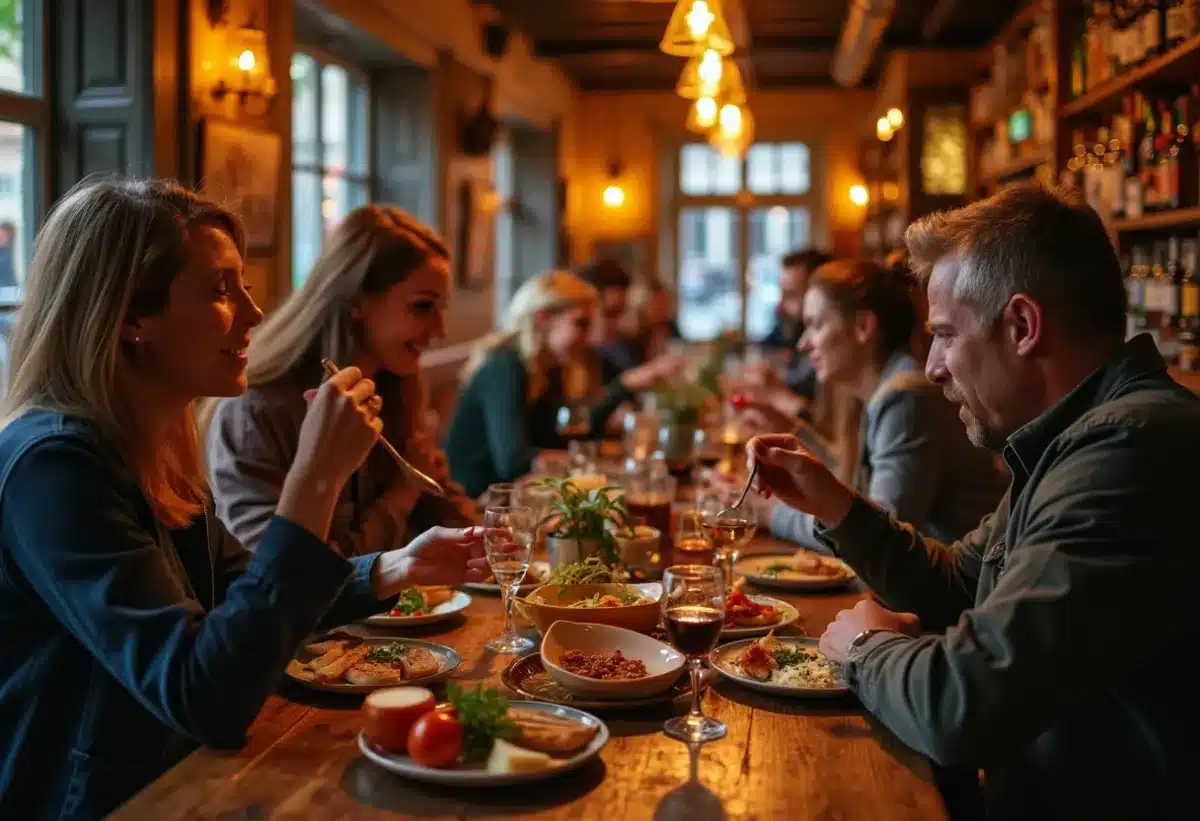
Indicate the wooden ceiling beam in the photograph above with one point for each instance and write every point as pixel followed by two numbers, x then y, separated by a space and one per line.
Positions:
pixel 559 49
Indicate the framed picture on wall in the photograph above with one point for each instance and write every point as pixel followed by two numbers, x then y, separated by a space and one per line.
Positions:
pixel 473 207
pixel 239 168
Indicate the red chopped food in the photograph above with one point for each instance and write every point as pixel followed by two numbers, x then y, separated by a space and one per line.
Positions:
pixel 602 665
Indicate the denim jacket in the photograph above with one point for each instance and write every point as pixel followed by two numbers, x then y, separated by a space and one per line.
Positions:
pixel 123 645
pixel 1066 658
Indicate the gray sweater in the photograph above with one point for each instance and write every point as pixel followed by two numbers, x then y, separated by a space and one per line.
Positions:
pixel 914 460
pixel 251 443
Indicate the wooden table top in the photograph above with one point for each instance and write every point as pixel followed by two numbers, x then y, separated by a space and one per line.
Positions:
pixel 782 758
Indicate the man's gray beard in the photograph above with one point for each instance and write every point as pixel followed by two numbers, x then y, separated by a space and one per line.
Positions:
pixel 977 434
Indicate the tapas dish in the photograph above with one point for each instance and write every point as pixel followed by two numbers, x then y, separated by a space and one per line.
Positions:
pixel 605 662
pixel 802 570
pixel 535 577
pixel 752 615
pixel 783 666
pixel 422 605
pixel 479 738
pixel 346 663
pixel 528 678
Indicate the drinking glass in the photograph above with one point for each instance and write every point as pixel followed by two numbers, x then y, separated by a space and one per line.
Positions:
pixel 583 457
pixel 500 494
pixel 574 421
pixel 692 544
pixel 540 497
pixel 508 541
pixel 649 500
pixel 729 533
pixel 693 608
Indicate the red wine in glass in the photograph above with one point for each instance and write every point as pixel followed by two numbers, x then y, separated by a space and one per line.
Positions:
pixel 693 629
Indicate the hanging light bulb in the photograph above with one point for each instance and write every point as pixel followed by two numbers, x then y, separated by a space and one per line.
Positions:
pixel 895 118
pixel 734 133
pixel 730 120
pixel 697 25
pixel 883 129
pixel 711 75
pixel 702 115
pixel 859 195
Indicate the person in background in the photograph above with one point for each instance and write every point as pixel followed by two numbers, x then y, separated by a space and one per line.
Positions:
pixel 375 299
pixel 912 458
pixel 133 626
pixel 8 269
pixel 616 350
pixel 1055 644
pixel 798 378
pixel 517 380
pixel 655 320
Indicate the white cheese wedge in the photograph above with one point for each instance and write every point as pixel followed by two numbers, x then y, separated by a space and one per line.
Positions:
pixel 508 759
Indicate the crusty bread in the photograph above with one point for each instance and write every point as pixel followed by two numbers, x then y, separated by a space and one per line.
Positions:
pixel 547 733
pixel 335 670
pixel 435 595
pixel 380 674
pixel 419 663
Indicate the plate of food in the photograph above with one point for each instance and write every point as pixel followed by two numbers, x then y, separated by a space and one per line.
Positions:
pixel 591 591
pixel 422 605
pixel 346 663
pixel 789 666
pixel 752 615
pixel 801 570
pixel 535 577
pixel 605 662
pixel 478 739
pixel 527 677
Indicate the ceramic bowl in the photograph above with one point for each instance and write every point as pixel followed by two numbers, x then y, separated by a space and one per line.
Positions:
pixel 549 604
pixel 664 664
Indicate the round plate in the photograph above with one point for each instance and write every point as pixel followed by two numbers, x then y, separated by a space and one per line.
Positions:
pixel 448 661
pixel 474 775
pixel 722 660
pixel 526 586
pixel 787 612
pixel 527 677
pixel 752 568
pixel 456 603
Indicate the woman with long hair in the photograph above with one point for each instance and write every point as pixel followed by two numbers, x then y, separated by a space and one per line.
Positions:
pixel 375 299
pixel 518 378
pixel 912 456
pixel 134 626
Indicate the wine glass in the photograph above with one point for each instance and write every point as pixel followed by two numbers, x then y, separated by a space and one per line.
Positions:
pixel 508 541
pixel 693 608
pixel 574 421
pixel 729 530
pixel 500 494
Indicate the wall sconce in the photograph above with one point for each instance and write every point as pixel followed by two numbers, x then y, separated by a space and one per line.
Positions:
pixel 246 67
pixel 859 195
pixel 614 193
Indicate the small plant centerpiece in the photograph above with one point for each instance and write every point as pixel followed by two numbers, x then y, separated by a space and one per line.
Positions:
pixel 578 523
pixel 680 407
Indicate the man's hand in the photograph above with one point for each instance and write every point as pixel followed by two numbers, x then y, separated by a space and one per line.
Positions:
pixel 439 556
pixel 791 472
pixel 866 615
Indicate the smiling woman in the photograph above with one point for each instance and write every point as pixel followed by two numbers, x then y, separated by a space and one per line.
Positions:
pixel 375 298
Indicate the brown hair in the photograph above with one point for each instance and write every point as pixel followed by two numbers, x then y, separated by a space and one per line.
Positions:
pixel 110 250
pixel 858 285
pixel 1045 242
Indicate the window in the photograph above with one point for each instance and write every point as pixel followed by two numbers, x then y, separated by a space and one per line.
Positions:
pixel 739 215
pixel 330 152
pixel 24 118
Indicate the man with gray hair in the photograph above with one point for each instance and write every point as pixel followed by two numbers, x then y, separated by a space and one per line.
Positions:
pixel 1055 645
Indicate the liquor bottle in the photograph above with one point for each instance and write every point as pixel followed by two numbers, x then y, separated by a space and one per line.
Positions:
pixel 1152 29
pixel 1167 157
pixel 1138 270
pixel 1189 306
pixel 1169 302
pixel 1133 41
pixel 1185 154
pixel 1130 108
pixel 1147 161
pixel 1180 21
pixel 1120 36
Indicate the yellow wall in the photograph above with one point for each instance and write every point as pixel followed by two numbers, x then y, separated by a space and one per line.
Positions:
pixel 637 127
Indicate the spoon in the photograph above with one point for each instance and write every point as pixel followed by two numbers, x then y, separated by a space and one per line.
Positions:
pixel 426 483
pixel 731 512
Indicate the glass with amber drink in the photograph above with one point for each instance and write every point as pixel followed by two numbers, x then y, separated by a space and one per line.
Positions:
pixel 729 531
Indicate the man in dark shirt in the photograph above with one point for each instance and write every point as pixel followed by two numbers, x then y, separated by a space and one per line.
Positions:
pixel 1055 645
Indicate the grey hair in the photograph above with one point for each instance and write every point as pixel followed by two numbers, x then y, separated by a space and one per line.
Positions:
pixel 1031 239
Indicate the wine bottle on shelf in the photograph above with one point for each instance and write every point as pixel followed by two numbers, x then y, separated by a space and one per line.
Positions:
pixel 1180 22
pixel 1152 29
pixel 1185 154
pixel 1119 41
pixel 1147 160
pixel 1133 181
pixel 1167 153
pixel 1138 269
pixel 1189 306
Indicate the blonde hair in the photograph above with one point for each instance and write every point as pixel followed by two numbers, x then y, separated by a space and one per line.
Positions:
pixel 372 249
pixel 110 250
pixel 548 293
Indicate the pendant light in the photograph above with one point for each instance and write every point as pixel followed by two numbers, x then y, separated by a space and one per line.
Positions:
pixel 702 115
pixel 734 132
pixel 713 76
pixel 696 26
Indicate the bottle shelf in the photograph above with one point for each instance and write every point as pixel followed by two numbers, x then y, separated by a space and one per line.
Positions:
pixel 1161 219
pixel 1177 66
pixel 1014 168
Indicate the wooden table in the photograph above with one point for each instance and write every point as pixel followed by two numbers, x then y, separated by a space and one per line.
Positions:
pixel 782 758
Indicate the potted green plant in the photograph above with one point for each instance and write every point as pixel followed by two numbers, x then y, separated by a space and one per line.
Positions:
pixel 578 522
pixel 679 408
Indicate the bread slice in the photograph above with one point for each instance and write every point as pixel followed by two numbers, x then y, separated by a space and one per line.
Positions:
pixel 334 671
pixel 419 663
pixel 375 673
pixel 435 595
pixel 549 734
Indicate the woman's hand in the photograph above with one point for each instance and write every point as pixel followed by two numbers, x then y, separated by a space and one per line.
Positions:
pixel 789 471
pixel 439 556
pixel 643 377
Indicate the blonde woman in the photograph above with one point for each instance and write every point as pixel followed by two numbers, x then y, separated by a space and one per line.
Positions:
pixel 375 299
pixel 518 379
pixel 135 627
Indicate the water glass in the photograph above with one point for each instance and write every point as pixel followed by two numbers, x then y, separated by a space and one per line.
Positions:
pixel 583 457
pixel 729 533
pixel 508 541
pixel 500 494
pixel 573 421
pixel 693 608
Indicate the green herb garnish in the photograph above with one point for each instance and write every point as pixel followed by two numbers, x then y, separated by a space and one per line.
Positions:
pixel 792 657
pixel 387 652
pixel 589 571
pixel 776 569
pixel 410 601
pixel 483 715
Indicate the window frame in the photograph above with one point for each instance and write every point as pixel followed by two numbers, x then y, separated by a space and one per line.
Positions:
pixel 31 109
pixel 743 202
pixel 357 77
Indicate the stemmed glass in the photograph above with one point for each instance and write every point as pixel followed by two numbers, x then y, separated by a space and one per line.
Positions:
pixel 693 607
pixel 574 421
pixel 501 494
pixel 508 541
pixel 729 532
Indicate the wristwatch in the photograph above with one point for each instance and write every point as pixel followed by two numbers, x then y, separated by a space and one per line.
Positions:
pixel 862 637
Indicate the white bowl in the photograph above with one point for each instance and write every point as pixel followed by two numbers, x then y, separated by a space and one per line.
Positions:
pixel 663 662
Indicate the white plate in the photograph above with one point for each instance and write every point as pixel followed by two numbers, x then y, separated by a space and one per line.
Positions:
pixel 721 659
pixel 457 602
pixel 787 612
pixel 526 586
pixel 752 566
pixel 448 660
pixel 474 775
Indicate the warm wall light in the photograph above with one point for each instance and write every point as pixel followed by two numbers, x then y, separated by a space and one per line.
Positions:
pixel 859 195
pixel 883 129
pixel 614 196
pixel 895 118
pixel 247 67
pixel 702 115
pixel 891 191
pixel 696 26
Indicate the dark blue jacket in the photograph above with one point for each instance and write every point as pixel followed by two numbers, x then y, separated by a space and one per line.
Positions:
pixel 123 645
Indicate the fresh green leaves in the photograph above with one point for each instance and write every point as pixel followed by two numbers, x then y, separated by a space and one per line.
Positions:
pixel 581 514
pixel 793 656
pixel 589 571
pixel 483 715
pixel 775 569
pixel 387 653
pixel 410 601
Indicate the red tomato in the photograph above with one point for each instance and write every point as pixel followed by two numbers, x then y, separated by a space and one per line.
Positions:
pixel 436 740
pixel 738 401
